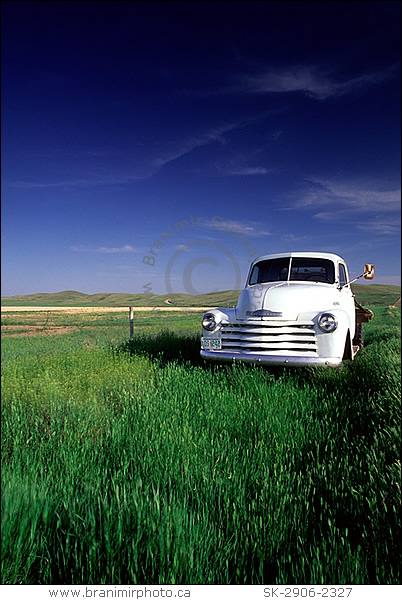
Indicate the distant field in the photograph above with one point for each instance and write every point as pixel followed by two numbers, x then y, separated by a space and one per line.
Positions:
pixel 374 295
pixel 71 298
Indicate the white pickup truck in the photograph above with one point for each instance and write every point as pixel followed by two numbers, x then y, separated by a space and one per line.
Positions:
pixel 297 309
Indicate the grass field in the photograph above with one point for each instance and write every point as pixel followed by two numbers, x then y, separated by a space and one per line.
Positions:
pixel 139 464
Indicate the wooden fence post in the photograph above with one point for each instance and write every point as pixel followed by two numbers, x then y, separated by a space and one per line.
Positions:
pixel 131 311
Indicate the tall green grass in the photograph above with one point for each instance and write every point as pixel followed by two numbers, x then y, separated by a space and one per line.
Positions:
pixel 139 464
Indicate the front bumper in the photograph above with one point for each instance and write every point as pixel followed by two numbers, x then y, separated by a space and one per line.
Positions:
pixel 270 359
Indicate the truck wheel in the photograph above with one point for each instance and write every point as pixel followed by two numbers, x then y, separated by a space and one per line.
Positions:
pixel 358 340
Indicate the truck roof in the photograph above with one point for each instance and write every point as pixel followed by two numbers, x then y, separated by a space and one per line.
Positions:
pixel 328 255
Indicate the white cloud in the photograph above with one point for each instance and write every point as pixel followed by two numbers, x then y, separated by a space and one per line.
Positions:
pixel 381 226
pixel 215 134
pixel 249 228
pixel 309 80
pixel 126 248
pixel 105 249
pixel 247 171
pixel 292 238
pixel 335 200
pixel 93 180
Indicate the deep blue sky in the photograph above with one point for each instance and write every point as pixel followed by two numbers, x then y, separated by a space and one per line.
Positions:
pixel 201 134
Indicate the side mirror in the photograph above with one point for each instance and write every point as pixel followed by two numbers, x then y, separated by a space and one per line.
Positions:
pixel 368 271
pixel 367 274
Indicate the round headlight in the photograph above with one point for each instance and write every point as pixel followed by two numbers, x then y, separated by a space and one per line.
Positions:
pixel 327 323
pixel 209 322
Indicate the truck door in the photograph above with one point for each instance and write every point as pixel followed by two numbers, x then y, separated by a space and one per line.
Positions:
pixel 347 301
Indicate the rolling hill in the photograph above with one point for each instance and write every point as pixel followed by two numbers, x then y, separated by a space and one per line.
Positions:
pixel 370 295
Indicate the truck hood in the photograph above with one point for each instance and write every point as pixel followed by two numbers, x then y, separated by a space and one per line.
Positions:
pixel 284 300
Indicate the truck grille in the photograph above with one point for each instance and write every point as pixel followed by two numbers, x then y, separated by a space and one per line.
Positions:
pixel 268 337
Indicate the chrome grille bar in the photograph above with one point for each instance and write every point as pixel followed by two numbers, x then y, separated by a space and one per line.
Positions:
pixel 268 336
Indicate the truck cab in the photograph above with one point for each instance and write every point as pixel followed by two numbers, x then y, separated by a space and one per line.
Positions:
pixel 297 309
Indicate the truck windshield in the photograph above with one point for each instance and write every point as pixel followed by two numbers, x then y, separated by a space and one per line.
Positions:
pixel 302 269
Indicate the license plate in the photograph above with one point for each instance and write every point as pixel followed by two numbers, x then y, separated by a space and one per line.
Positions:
pixel 210 344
